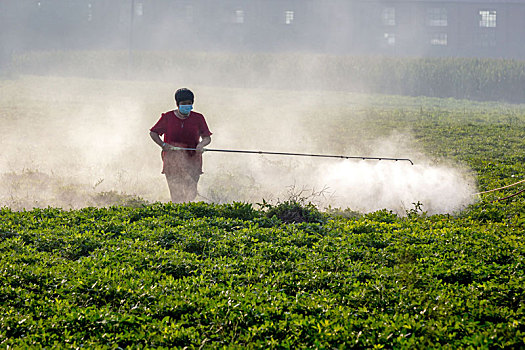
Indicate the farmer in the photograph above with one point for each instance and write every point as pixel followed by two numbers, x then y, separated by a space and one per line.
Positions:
pixel 182 128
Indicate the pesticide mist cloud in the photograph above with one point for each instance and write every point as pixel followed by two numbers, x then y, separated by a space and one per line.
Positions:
pixel 368 187
pixel 67 141
pixel 363 186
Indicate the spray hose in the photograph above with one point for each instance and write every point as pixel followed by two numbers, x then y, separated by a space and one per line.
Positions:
pixel 291 154
pixel 502 188
pixel 512 195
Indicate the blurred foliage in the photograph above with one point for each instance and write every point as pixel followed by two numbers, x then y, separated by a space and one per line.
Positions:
pixel 463 78
pixel 36 189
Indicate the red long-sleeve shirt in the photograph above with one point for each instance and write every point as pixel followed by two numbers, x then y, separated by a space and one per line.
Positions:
pixel 182 133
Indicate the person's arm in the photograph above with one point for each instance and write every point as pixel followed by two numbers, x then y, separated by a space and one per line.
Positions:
pixel 156 138
pixel 205 141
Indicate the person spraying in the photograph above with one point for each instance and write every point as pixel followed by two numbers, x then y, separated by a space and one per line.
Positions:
pixel 182 128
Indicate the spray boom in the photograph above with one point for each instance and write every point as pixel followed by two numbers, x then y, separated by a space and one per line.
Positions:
pixel 291 154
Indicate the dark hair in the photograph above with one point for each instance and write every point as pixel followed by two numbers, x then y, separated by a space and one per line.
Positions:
pixel 184 94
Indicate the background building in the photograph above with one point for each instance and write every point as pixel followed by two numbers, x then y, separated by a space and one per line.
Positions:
pixel 390 27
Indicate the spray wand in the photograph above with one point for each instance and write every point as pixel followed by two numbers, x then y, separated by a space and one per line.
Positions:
pixel 290 154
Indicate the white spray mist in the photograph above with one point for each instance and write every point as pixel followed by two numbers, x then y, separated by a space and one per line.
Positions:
pixel 62 134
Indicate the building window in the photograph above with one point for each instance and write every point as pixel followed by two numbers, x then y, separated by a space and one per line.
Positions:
pixel 389 39
pixel 487 39
pixel 239 16
pixel 388 16
pixel 288 17
pixel 188 13
pixel 439 39
pixel 139 9
pixel 90 12
pixel 487 18
pixel 437 17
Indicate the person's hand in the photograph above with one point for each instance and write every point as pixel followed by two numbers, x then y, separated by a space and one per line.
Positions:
pixel 168 147
pixel 199 148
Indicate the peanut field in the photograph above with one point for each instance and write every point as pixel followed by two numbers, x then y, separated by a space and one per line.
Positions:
pixel 88 266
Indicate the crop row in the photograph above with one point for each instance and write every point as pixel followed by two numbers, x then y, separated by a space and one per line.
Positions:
pixel 470 78
pixel 229 275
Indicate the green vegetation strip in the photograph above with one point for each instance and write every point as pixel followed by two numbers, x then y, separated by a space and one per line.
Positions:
pixel 287 276
pixel 470 78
